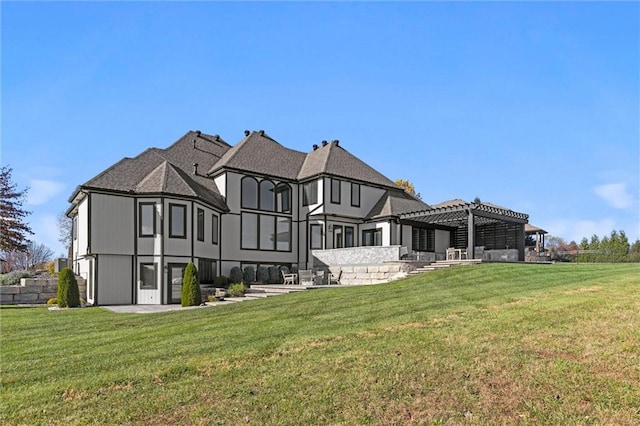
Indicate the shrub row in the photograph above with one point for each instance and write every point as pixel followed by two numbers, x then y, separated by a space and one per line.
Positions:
pixel 264 274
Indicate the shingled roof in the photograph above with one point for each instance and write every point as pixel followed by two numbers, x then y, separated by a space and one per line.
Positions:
pixel 157 171
pixel 170 170
pixel 394 203
pixel 332 159
pixel 259 153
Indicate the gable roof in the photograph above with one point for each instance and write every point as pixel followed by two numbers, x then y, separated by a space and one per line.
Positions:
pixel 259 153
pixel 394 203
pixel 156 171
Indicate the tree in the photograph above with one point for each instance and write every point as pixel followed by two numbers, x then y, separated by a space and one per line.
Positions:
pixel 65 225
pixel 191 295
pixel 13 229
pixel 408 187
pixel 35 254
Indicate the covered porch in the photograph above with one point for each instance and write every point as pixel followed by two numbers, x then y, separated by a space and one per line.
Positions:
pixel 479 230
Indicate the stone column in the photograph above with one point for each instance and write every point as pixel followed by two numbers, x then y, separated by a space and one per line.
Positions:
pixel 471 233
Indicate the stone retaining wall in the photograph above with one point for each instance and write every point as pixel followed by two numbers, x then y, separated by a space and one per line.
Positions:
pixel 35 291
pixel 373 274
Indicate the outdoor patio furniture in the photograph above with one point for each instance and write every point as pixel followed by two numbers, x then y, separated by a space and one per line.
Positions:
pixel 335 279
pixel 305 277
pixel 289 278
pixel 451 253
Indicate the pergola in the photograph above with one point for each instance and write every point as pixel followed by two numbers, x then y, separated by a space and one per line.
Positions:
pixel 475 224
pixel 539 234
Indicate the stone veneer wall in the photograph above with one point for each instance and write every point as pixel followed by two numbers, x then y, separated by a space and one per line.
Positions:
pixel 35 291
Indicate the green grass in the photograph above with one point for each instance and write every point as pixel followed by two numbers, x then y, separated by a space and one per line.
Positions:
pixel 489 344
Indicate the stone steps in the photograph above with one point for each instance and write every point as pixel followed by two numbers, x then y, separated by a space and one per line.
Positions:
pixel 441 264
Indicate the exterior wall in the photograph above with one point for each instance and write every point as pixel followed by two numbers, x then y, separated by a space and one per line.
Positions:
pixel 114 280
pixel 407 239
pixel 150 245
pixel 443 241
pixel 221 183
pixel 81 242
pixel 504 255
pixel 177 246
pixel 206 248
pixel 35 291
pixel 231 252
pixel 112 224
pixel 369 196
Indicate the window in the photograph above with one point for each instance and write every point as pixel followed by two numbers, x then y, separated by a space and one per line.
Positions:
pixel 206 270
pixel 249 231
pixel 177 221
pixel 146 219
pixel 283 234
pixel 283 198
pixel 148 276
pixel 337 236
pixel 74 228
pixel 200 229
pixel 267 196
pixel 355 195
pixel 372 237
pixel 267 232
pixel 316 237
pixel 335 191
pixel 423 239
pixel 214 229
pixel 249 193
pixel 348 236
pixel 310 193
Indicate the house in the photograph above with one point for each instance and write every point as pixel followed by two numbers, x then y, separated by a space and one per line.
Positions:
pixel 138 223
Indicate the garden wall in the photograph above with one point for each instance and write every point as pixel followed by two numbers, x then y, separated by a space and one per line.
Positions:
pixel 35 291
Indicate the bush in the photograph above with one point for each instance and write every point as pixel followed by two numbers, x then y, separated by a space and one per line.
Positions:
pixel 263 274
pixel 13 278
pixel 191 295
pixel 235 275
pixel 221 281
pixel 52 301
pixel 236 290
pixel 68 292
pixel 249 274
pixel 51 268
pixel 274 275
pixel 212 298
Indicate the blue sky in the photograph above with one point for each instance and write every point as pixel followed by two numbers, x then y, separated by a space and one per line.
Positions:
pixel 532 106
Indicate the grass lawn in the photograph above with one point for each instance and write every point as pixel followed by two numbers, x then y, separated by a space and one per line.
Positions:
pixel 487 344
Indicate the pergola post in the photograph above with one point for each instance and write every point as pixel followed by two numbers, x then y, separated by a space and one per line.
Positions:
pixel 471 232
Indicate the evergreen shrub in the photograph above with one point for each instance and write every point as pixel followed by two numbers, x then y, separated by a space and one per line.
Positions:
pixel 191 295
pixel 249 274
pixel 263 274
pixel 235 275
pixel 274 275
pixel 68 292
pixel 221 281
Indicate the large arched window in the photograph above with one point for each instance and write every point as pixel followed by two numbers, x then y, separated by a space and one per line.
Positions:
pixel 249 193
pixel 267 196
pixel 283 198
